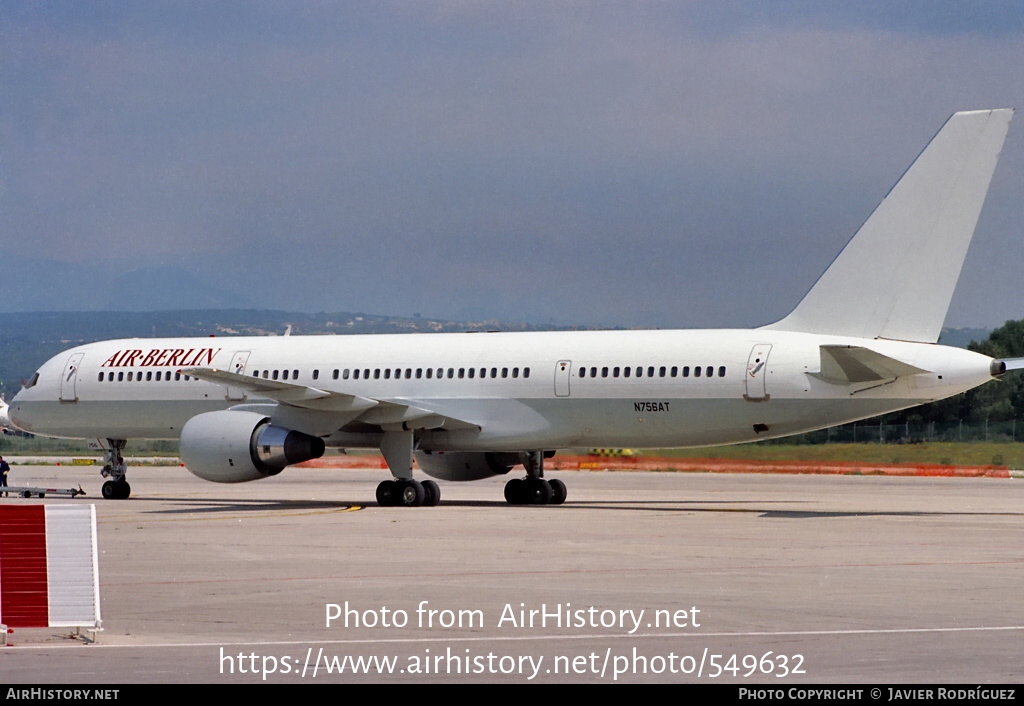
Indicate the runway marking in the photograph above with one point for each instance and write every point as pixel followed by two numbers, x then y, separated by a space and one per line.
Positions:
pixel 531 638
pixel 636 570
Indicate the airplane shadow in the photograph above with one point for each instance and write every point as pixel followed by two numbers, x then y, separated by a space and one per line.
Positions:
pixel 225 505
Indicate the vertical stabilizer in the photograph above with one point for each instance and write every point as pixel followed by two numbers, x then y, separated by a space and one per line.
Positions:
pixel 896 276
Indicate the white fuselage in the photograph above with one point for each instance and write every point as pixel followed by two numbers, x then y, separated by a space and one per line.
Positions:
pixel 515 391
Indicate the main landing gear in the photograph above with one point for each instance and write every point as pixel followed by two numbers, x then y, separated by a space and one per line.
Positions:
pixel 533 489
pixel 408 493
pixel 403 491
pixel 117 487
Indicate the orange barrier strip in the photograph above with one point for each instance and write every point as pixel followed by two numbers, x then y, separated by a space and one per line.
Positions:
pixel 711 465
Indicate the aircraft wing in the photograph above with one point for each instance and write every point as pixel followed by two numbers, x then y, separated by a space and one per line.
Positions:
pixel 848 365
pixel 396 414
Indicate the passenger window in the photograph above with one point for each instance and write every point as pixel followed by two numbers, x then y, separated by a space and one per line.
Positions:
pixel 451 373
pixel 376 373
pixel 504 372
pixel 462 373
pixel 264 375
pixel 430 373
pixel 710 371
pixel 284 374
pixel 721 371
pixel 472 372
pixel 686 371
pixel 387 373
pixel 344 374
pixel 696 371
pixel 408 373
pixel 615 371
pixel 593 372
pixel 158 375
pixel 625 371
pixel 419 373
pixel 100 378
pixel 110 377
pixel 515 372
pixel 355 374
pixel 334 374
pixel 273 376
pixel 129 376
pixel 604 372
pixel 316 374
pixel 526 372
pixel 494 372
pixel 661 371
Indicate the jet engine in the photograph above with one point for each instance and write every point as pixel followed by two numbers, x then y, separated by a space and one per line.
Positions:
pixel 466 465
pixel 234 447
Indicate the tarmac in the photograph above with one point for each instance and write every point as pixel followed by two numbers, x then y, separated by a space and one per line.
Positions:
pixel 745 579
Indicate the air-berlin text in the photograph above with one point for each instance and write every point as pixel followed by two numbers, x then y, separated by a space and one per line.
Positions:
pixel 161 357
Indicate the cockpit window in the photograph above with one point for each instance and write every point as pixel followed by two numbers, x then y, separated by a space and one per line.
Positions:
pixel 33 381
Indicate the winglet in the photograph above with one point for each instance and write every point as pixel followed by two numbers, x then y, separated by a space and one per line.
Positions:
pixel 896 276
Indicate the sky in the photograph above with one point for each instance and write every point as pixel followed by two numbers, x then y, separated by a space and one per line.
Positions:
pixel 651 164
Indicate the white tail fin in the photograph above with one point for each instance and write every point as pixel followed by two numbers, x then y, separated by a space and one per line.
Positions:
pixel 896 276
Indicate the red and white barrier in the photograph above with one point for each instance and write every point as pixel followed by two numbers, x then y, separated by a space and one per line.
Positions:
pixel 49 567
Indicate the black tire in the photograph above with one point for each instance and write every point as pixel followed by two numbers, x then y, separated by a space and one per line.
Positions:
pixel 411 493
pixel 539 491
pixel 516 492
pixel 123 490
pixel 109 490
pixel 558 492
pixel 386 493
pixel 431 494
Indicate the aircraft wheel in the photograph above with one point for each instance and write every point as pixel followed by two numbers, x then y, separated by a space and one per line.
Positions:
pixel 123 490
pixel 387 493
pixel 516 492
pixel 411 493
pixel 539 491
pixel 431 493
pixel 558 492
pixel 109 490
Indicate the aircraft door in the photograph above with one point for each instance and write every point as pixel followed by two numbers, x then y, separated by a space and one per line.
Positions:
pixel 563 369
pixel 756 378
pixel 238 362
pixel 69 380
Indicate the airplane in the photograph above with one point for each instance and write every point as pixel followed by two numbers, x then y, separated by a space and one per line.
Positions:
pixel 466 406
pixel 5 421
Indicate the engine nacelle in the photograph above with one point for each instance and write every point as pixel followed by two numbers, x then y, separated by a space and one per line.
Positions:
pixel 466 465
pixel 234 447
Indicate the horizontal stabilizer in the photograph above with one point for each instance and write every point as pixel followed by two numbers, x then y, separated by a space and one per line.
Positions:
pixel 847 365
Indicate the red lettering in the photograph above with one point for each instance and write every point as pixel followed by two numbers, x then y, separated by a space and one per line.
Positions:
pixel 111 361
pixel 185 362
pixel 148 360
pixel 160 358
pixel 210 354
pixel 173 360
pixel 129 359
